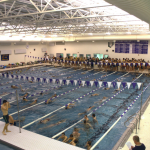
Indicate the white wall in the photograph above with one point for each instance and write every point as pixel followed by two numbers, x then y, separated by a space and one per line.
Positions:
pixel 93 47
pixel 14 58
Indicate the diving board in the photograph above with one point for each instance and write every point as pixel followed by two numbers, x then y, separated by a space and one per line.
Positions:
pixel 32 141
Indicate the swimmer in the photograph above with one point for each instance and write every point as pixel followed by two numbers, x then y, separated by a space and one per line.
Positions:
pixel 76 133
pixel 94 118
pixel 104 75
pixel 68 106
pixel 21 88
pixel 83 73
pixel 49 100
pixel 94 80
pixel 106 88
pixel 86 118
pixel 88 145
pixel 30 81
pixel 95 94
pixel 68 77
pixel 55 124
pixel 87 125
pixel 63 137
pixel 117 90
pixel 13 122
pixel 46 120
pixel 71 138
pixel 14 87
pixel 4 93
pixel 74 142
pixel 34 102
pixel 87 110
pixel 25 97
pixel 102 100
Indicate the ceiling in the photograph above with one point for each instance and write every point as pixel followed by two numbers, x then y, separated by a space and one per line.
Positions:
pixel 74 17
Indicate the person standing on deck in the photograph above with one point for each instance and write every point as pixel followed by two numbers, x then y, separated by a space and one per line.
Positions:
pixel 4 109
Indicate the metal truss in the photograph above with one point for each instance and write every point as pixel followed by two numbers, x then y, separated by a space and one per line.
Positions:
pixel 64 17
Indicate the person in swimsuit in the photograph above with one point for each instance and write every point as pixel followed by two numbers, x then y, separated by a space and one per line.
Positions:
pixel 68 77
pixel 30 81
pixel 4 107
pixel 95 94
pixel 49 100
pixel 117 90
pixel 94 80
pixel 15 121
pixel 71 138
pixel 55 124
pixel 47 119
pixel 106 88
pixel 68 106
pixel 86 110
pixel 63 137
pixel 86 118
pixel 76 133
pixel 87 125
pixel 21 88
pixel 14 87
pixel 94 118
pixel 88 145
pixel 4 93
pixel 24 97
pixel 74 142
pixel 34 102
pixel 83 73
pixel 102 100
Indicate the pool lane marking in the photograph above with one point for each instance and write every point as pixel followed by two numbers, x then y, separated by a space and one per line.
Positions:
pixel 44 101
pixel 63 106
pixel 119 118
pixel 91 112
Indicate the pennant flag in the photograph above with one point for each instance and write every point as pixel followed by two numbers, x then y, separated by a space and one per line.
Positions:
pixel 79 82
pixel 47 80
pixel 109 84
pixel 50 80
pixel 139 85
pixel 38 57
pixel 0 74
pixel 38 79
pixel 11 77
pixel 27 78
pixel 88 83
pixel 124 84
pixel 41 79
pixel 118 84
pixel 64 81
pixel 35 79
pixel 19 77
pixel 134 84
pixel 71 82
pixel 24 77
pixel 128 84
pixel 68 81
pixel 100 83
pixel 60 81
pixel 75 82
pixel 83 83
pixel 44 79
pixel 105 83
pixel 5 75
pixel 91 82
pixel 96 83
pixel 57 81
pixel 54 80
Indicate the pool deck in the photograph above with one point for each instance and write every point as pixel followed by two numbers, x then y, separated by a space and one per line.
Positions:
pixel 31 141
pixel 143 132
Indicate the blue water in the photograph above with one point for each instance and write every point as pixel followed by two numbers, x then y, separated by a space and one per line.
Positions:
pixel 106 115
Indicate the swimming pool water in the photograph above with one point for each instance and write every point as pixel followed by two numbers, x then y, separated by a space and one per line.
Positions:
pixel 106 115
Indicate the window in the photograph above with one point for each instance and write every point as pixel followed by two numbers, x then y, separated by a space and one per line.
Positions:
pixel 75 55
pixel 88 55
pixel 100 56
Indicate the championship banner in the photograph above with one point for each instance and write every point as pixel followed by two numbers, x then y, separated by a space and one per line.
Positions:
pixel 5 57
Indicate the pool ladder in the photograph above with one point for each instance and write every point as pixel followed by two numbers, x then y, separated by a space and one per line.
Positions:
pixel 135 123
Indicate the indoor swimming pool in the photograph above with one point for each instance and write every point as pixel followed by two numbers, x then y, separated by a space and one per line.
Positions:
pixel 65 120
